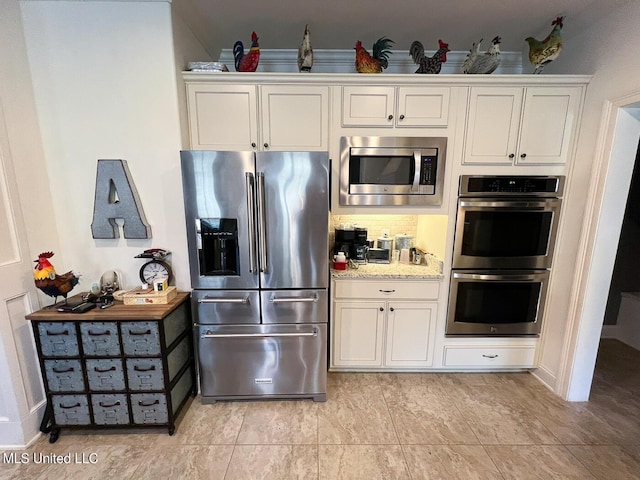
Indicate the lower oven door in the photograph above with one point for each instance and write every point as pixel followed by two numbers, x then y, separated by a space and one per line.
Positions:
pixel 496 303
pixel 253 361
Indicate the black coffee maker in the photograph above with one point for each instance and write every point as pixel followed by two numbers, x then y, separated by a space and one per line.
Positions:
pixel 343 241
pixel 359 248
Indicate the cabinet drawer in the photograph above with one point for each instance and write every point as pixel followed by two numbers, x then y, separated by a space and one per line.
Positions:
pixel 140 338
pixel 485 357
pixel 145 374
pixel 149 408
pixel 387 289
pixel 64 375
pixel 100 339
pixel 71 409
pixel 105 374
pixel 110 409
pixel 58 339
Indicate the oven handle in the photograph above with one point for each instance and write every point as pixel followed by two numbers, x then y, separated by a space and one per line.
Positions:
pixel 502 276
pixel 510 204
pixel 244 300
pixel 314 333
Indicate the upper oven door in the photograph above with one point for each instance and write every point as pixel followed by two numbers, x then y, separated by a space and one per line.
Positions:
pixel 505 233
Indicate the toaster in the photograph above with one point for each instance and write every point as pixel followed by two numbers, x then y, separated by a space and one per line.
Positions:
pixel 379 255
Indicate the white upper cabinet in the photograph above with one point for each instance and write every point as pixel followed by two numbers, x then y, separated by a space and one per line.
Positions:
pixel 387 106
pixel 520 126
pixel 225 117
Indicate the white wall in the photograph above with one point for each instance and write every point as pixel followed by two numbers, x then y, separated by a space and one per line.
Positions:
pixel 608 50
pixel 105 83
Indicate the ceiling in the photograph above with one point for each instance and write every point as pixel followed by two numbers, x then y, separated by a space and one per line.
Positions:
pixel 338 24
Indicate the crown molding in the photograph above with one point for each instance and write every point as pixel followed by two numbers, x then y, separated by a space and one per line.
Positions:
pixel 342 61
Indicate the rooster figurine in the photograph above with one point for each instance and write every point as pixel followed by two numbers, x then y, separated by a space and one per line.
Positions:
pixel 543 52
pixel 378 60
pixel 305 52
pixel 483 63
pixel 428 64
pixel 248 62
pixel 49 282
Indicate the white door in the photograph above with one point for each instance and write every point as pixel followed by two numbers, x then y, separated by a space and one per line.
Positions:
pixel 357 336
pixel 368 106
pixel 409 333
pixel 22 397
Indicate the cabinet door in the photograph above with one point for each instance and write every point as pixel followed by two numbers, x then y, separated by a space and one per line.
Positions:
pixel 368 106
pixel 295 118
pixel 222 117
pixel 422 107
pixel 492 125
pixel 410 333
pixel 357 334
pixel 548 122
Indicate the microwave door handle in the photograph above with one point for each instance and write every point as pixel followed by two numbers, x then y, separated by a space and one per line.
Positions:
pixel 262 225
pixel 251 222
pixel 417 158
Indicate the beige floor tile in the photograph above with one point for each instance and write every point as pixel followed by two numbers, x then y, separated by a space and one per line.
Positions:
pixel 184 462
pixel 421 417
pixel 449 462
pixel 273 462
pixel 537 462
pixel 280 422
pixel 362 462
pixel 349 378
pixel 355 417
pixel 607 462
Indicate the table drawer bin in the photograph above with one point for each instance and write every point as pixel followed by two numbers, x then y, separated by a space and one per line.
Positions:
pixel 149 408
pixel 64 375
pixel 100 339
pixel 58 339
pixel 140 338
pixel 145 373
pixel 105 374
pixel 110 409
pixel 71 409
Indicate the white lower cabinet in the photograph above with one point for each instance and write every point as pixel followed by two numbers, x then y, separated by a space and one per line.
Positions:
pixel 383 324
pixel 486 357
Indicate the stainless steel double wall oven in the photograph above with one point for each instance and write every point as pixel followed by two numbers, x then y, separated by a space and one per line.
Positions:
pixel 258 250
pixel 505 235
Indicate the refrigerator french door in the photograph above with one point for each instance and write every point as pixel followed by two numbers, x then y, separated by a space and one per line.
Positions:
pixel 257 228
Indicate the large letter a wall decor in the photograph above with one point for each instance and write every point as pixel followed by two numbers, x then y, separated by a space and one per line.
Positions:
pixel 116 197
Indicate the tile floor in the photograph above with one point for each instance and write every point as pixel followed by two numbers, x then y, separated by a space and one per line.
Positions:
pixel 381 426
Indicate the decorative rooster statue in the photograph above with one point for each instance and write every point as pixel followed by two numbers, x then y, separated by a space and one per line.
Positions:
pixel 428 64
pixel 483 63
pixel 305 52
pixel 248 62
pixel 49 282
pixel 378 60
pixel 543 52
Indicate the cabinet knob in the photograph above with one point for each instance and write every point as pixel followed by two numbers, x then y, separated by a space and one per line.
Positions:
pixel 381 309
pixel 392 309
pixel 523 155
pixel 402 117
pixel 266 145
pixel 390 117
pixel 511 155
pixel 253 144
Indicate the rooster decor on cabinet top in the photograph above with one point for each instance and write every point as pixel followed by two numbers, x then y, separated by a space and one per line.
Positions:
pixel 543 52
pixel 247 62
pixel 375 62
pixel 485 63
pixel 428 64
pixel 49 282
pixel 305 52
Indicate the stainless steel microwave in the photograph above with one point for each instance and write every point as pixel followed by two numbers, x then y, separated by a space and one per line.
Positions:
pixel 392 170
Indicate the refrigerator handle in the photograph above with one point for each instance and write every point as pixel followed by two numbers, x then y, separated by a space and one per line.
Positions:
pixel 251 215
pixel 262 225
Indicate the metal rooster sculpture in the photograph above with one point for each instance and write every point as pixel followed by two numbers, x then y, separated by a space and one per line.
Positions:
pixel 49 282
pixel 486 63
pixel 428 64
pixel 375 62
pixel 305 52
pixel 543 52
pixel 248 62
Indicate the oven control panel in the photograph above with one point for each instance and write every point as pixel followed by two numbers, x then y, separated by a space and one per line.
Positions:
pixel 481 185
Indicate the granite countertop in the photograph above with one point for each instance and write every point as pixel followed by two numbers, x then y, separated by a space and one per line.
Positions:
pixel 389 270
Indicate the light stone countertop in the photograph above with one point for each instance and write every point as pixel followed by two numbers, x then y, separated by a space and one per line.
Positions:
pixel 389 270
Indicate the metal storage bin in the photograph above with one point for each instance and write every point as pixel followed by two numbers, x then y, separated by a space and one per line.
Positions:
pixel 140 338
pixel 58 339
pixel 71 409
pixel 105 374
pixel 149 408
pixel 100 339
pixel 64 375
pixel 145 373
pixel 110 409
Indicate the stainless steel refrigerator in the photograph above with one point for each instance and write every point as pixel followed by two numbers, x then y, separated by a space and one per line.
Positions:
pixel 257 229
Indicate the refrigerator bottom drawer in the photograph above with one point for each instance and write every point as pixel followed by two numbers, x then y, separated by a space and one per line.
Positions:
pixel 253 361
